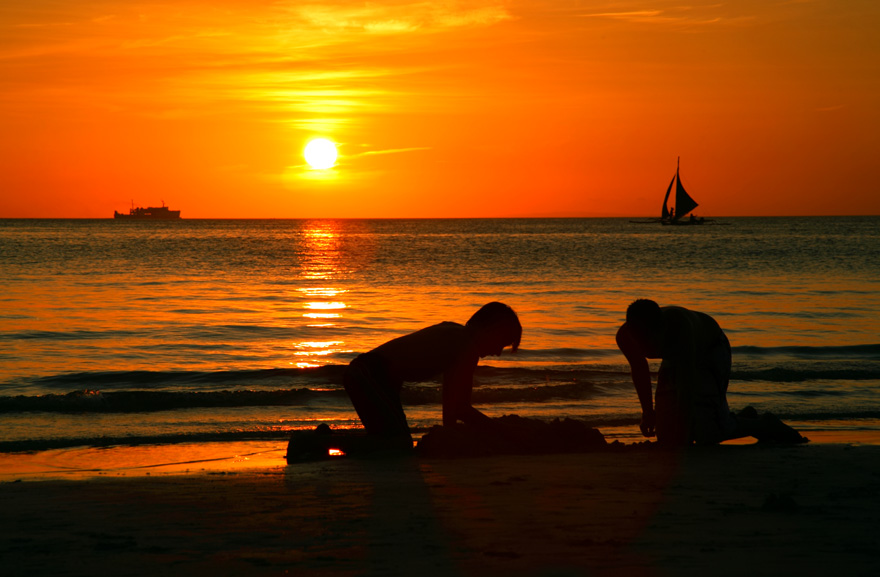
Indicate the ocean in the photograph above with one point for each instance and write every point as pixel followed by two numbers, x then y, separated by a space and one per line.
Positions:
pixel 148 334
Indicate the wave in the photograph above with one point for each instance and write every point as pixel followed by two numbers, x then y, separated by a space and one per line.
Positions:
pixel 323 376
pixel 570 353
pixel 794 375
pixel 191 332
pixel 94 401
pixel 178 379
pixel 869 351
pixel 218 386
pixel 28 445
pixel 88 401
pixel 66 335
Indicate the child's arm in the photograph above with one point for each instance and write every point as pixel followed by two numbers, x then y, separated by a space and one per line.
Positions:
pixel 458 383
pixel 641 377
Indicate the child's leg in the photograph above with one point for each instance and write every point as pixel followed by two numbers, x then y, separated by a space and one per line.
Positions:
pixel 375 398
pixel 672 418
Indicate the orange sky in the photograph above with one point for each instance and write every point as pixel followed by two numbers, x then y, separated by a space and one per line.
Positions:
pixel 440 109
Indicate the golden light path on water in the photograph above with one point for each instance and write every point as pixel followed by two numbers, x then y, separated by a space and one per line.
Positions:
pixel 321 255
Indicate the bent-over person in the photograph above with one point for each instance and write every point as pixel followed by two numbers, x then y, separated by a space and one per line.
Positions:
pixel 690 403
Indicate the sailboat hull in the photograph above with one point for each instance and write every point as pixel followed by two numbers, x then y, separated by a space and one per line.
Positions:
pixel 683 222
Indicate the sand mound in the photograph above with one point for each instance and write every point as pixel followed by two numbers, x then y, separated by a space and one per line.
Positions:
pixel 511 435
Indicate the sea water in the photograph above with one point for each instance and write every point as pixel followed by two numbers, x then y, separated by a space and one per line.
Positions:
pixel 197 331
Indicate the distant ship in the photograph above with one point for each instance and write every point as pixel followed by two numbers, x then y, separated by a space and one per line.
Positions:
pixel 148 213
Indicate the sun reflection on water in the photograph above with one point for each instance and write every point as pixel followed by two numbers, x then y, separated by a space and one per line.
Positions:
pixel 316 292
pixel 325 306
pixel 321 252
pixel 311 353
pixel 321 256
pixel 322 315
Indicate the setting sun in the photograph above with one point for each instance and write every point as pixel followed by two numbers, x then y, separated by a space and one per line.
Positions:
pixel 320 153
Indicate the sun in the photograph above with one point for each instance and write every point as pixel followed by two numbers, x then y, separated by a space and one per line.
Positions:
pixel 320 153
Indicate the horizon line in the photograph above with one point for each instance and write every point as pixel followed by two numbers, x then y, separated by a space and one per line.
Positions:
pixel 523 217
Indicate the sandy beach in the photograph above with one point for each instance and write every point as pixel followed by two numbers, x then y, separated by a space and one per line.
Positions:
pixel 733 509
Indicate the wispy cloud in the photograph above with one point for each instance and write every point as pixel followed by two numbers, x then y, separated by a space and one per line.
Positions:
pixel 689 15
pixel 403 17
pixel 391 151
pixel 631 15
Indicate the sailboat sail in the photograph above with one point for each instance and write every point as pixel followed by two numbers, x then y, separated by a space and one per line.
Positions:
pixel 665 214
pixel 683 202
pixel 684 205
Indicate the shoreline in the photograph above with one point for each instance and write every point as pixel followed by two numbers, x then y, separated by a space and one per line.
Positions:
pixel 761 510
pixel 192 459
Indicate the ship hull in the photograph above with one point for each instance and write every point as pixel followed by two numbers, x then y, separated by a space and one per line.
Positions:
pixel 146 215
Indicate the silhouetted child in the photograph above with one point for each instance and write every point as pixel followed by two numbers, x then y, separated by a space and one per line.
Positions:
pixel 373 380
pixel 691 399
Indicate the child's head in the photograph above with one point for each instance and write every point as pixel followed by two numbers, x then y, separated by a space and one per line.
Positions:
pixel 497 326
pixel 646 320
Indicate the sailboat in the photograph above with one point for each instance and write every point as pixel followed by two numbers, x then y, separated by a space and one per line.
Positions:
pixel 683 203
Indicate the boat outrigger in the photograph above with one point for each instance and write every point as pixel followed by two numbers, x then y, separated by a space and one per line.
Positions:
pixel 148 213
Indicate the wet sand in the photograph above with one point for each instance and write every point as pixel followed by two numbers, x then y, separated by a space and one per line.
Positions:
pixel 734 509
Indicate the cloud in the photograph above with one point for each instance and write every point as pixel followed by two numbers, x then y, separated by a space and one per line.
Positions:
pixel 631 15
pixel 677 15
pixel 403 18
pixel 392 151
